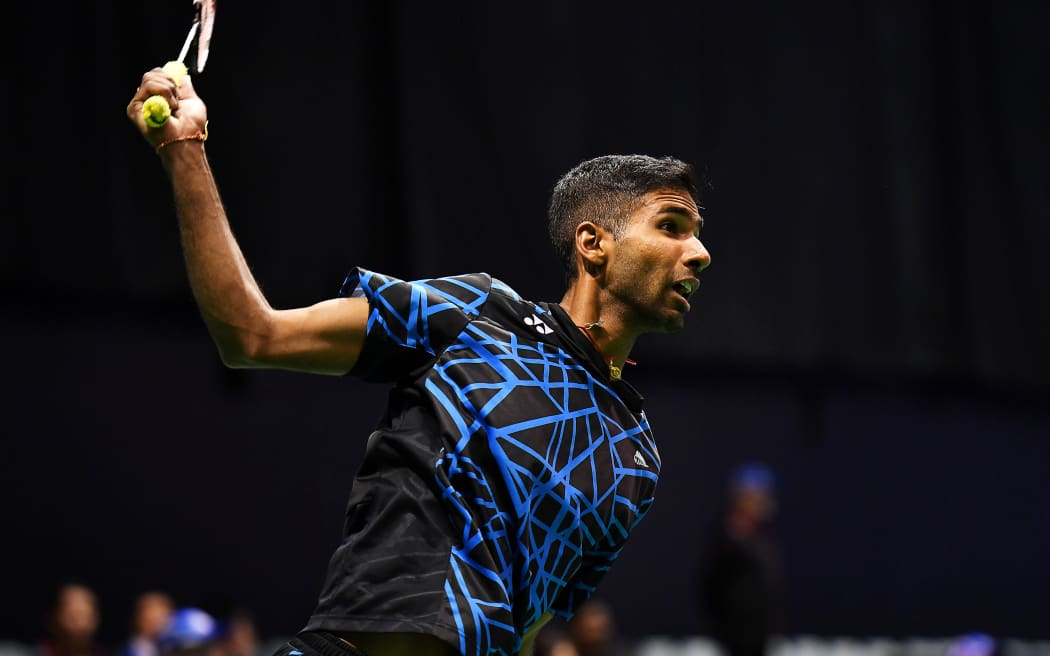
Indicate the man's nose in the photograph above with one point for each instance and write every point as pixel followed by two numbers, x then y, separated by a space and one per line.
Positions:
pixel 698 257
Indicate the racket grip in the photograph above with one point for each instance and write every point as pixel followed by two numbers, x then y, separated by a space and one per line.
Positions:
pixel 156 111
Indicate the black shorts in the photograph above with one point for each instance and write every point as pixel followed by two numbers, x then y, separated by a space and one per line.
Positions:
pixel 317 643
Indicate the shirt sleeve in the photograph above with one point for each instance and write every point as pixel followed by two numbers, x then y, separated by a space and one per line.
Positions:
pixel 411 323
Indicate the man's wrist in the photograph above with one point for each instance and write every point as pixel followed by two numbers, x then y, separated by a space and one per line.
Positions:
pixel 199 135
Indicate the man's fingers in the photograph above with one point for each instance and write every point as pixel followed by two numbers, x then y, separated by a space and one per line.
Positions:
pixel 154 83
pixel 155 80
pixel 187 112
pixel 157 83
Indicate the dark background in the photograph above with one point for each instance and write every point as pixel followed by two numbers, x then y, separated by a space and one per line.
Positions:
pixel 874 324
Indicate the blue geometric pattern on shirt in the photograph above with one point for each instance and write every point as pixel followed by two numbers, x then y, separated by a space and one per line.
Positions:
pixel 407 321
pixel 538 471
pixel 549 547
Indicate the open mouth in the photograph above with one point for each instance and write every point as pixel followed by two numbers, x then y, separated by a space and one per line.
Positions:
pixel 686 287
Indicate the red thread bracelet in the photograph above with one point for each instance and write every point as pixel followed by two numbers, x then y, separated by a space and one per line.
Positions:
pixel 196 136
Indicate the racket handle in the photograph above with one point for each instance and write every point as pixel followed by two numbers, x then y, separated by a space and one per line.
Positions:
pixel 156 111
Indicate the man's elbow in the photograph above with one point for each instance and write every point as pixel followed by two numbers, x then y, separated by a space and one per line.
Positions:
pixel 234 359
pixel 241 348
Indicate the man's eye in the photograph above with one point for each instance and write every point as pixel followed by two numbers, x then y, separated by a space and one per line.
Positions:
pixel 668 225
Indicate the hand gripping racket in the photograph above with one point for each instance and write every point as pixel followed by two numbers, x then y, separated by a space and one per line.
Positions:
pixel 156 111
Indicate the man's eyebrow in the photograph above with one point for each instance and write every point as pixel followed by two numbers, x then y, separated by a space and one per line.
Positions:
pixel 677 209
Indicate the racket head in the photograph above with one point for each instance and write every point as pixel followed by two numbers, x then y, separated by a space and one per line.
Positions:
pixel 206 23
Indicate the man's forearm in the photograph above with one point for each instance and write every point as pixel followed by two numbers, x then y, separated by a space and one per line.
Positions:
pixel 230 301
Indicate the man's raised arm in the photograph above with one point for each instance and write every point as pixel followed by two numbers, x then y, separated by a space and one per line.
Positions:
pixel 325 338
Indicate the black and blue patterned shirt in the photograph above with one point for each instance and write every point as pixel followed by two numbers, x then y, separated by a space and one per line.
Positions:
pixel 503 478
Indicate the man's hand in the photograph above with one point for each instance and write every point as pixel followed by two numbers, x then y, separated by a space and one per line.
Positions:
pixel 188 113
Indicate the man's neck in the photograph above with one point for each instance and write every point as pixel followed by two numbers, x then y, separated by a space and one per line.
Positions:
pixel 584 303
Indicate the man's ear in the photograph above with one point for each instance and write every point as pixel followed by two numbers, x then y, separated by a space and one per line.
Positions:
pixel 592 246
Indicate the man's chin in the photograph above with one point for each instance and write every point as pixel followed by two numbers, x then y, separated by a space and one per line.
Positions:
pixel 672 323
pixel 666 320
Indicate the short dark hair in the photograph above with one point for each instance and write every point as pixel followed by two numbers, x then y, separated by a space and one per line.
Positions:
pixel 606 190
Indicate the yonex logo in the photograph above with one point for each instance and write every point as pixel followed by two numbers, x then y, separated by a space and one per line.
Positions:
pixel 539 325
pixel 639 460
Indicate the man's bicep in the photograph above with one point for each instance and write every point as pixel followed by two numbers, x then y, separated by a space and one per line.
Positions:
pixel 325 338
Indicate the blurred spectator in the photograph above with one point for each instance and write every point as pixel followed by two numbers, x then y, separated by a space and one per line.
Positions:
pixel 593 630
pixel 740 577
pixel 72 623
pixel 553 640
pixel 241 637
pixel 191 632
pixel 151 616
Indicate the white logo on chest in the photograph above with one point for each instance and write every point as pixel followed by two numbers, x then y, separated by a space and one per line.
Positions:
pixel 537 323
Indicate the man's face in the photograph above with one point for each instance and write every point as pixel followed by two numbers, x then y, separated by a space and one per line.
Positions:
pixel 653 268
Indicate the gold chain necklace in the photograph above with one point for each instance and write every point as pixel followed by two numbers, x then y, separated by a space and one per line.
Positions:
pixel 615 371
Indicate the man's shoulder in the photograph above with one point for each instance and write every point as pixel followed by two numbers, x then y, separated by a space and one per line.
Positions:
pixel 477 284
pixel 502 288
pixel 481 295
